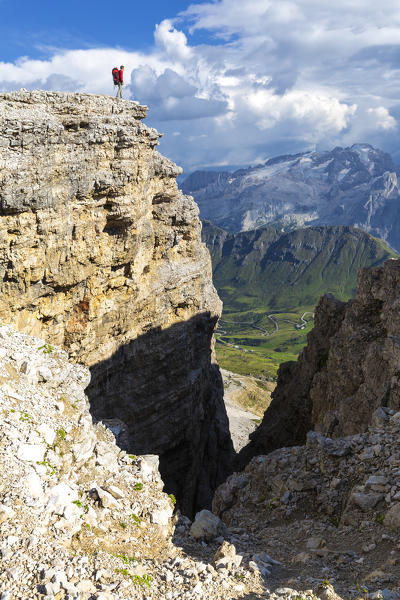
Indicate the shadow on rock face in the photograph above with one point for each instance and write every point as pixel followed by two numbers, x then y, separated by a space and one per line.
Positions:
pixel 167 391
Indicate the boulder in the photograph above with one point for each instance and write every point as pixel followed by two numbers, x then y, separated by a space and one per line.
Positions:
pixel 226 556
pixel 206 526
pixel 392 517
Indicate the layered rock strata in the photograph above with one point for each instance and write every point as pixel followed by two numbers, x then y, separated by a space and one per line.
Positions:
pixel 349 368
pixel 101 254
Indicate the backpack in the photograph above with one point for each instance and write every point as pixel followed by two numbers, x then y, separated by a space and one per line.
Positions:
pixel 115 74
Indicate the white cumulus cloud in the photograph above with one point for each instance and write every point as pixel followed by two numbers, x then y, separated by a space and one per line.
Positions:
pixel 172 41
pixel 269 76
pixel 383 119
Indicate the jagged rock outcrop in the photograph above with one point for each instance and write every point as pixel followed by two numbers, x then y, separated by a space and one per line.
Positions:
pixel 349 368
pixel 329 508
pixel 356 186
pixel 101 254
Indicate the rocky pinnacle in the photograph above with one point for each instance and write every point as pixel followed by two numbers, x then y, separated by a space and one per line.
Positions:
pixel 348 370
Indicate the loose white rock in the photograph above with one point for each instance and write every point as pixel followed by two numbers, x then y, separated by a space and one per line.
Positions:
pixel 31 452
pixel 6 512
pixel 48 433
pixel 33 485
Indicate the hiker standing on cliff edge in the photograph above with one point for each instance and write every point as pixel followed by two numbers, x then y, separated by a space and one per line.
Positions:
pixel 118 78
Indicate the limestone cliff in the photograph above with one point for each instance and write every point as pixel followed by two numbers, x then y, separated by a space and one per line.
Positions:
pixel 348 370
pixel 101 254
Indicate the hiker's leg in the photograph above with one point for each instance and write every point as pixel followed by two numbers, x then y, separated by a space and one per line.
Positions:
pixel 119 93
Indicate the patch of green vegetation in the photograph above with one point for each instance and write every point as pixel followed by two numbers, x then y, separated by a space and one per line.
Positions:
pixel 144 580
pixel 47 348
pixel 172 498
pixel 326 584
pixel 136 579
pixel 362 590
pixel 245 348
pixel 268 280
pixel 138 486
pixel 61 433
pixel 125 559
pixel 75 404
pixel 50 470
pixel 25 417
pixel 136 519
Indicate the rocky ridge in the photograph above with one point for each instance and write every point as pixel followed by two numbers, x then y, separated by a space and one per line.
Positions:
pixel 101 254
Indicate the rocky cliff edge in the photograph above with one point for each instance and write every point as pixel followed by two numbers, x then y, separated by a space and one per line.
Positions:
pixel 101 254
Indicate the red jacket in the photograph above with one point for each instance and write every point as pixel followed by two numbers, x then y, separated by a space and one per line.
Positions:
pixel 121 76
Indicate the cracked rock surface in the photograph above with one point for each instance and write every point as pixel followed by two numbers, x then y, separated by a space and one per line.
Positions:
pixel 101 254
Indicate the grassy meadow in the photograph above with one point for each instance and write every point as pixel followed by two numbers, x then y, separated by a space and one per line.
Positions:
pixel 243 349
pixel 268 280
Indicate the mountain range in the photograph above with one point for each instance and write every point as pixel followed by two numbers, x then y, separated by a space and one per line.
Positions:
pixel 356 186
pixel 285 270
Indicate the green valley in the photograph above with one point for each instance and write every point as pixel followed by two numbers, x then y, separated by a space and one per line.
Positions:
pixel 270 283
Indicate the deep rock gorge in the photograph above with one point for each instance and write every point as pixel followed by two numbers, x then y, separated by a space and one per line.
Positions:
pixel 100 253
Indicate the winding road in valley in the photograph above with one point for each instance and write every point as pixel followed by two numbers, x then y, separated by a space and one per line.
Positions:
pixel 274 320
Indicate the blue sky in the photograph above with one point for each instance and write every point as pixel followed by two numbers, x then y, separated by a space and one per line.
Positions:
pixel 37 28
pixel 228 82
